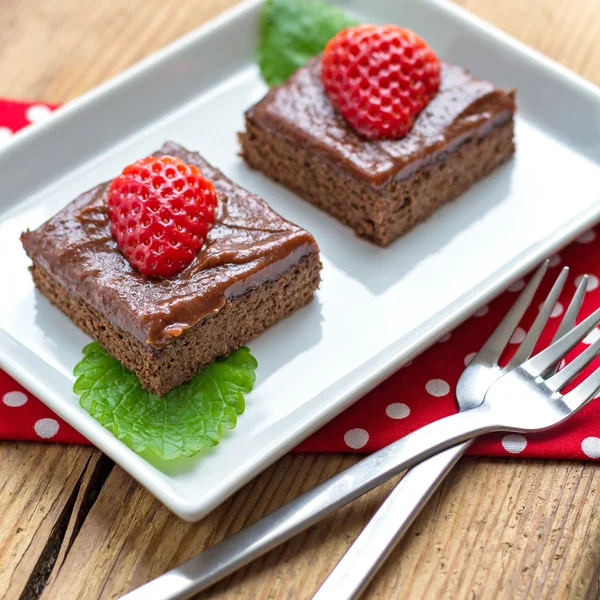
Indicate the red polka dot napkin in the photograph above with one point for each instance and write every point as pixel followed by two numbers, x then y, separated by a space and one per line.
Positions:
pixel 420 392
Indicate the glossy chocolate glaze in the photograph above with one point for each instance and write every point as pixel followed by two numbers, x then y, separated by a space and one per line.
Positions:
pixel 248 245
pixel 464 107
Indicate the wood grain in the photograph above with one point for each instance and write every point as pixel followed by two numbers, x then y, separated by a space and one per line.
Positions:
pixel 37 489
pixel 496 529
pixel 70 527
pixel 55 51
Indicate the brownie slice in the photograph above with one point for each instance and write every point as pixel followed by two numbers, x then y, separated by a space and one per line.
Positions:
pixel 254 269
pixel 379 188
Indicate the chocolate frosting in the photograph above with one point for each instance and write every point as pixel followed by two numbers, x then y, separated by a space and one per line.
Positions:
pixel 248 245
pixel 463 107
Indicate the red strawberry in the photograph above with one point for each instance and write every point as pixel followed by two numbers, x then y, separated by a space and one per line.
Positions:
pixel 380 78
pixel 160 211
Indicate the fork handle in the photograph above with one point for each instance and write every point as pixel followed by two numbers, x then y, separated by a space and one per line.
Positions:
pixel 224 558
pixel 358 566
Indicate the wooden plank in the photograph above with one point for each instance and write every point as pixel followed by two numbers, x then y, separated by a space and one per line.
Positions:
pixel 57 50
pixel 38 484
pixel 502 529
pixel 91 482
pixel 129 538
pixel 497 529
pixel 565 30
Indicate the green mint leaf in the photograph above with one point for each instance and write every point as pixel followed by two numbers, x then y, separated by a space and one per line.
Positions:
pixel 292 31
pixel 187 419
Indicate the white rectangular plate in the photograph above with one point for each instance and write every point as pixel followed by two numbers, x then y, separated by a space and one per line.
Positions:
pixel 376 307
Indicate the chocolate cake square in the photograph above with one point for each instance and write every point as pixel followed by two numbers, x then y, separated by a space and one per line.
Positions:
pixel 379 188
pixel 254 269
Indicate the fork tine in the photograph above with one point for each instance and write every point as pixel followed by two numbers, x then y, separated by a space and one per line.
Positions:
pixel 496 343
pixel 541 362
pixel 570 316
pixel 585 391
pixel 574 367
pixel 533 335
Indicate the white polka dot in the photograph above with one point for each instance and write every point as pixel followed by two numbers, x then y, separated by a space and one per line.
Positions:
pixel 445 338
pixel 592 283
pixel 591 447
pixel 437 387
pixel 516 286
pixel 46 428
pixel 469 357
pixel 587 238
pixel 5 135
pixel 592 336
pixel 556 311
pixel 356 438
pixel 14 398
pixel 38 113
pixel 518 336
pixel 514 443
pixel 554 260
pixel 397 410
pixel 484 310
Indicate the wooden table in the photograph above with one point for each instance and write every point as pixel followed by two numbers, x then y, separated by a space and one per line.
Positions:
pixel 72 525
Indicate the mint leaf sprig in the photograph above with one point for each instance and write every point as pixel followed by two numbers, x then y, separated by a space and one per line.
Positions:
pixel 181 423
pixel 292 31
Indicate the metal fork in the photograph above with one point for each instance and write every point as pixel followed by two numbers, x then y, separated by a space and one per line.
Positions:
pixel 375 543
pixel 519 401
